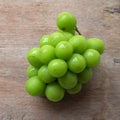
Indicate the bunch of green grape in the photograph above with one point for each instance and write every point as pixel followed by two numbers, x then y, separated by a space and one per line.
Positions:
pixel 63 63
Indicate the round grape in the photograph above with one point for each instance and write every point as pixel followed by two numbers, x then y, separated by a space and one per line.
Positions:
pixel 56 37
pixel 97 44
pixel 33 56
pixel 44 75
pixel 76 63
pixel 54 92
pixel 35 87
pixel 47 53
pixel 68 81
pixel 57 67
pixel 92 57
pixel 45 40
pixel 66 21
pixel 79 43
pixel 31 71
pixel 63 50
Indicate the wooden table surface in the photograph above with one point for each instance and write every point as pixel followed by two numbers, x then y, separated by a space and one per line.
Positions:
pixel 22 23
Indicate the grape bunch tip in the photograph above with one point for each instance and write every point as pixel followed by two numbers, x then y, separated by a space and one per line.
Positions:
pixel 63 63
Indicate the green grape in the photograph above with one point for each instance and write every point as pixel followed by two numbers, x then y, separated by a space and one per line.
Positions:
pixel 44 75
pixel 76 63
pixel 92 57
pixel 66 21
pixel 68 81
pixel 56 37
pixel 35 87
pixel 79 43
pixel 76 89
pixel 31 71
pixel 33 56
pixel 54 92
pixel 85 76
pixel 57 67
pixel 63 50
pixel 47 53
pixel 45 40
pixel 68 35
pixel 97 44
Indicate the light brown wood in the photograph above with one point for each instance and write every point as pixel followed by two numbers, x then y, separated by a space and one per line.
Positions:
pixel 22 23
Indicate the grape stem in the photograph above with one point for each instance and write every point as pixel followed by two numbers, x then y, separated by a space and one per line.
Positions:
pixel 77 30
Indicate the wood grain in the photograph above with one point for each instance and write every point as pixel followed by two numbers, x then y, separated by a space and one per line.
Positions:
pixel 22 23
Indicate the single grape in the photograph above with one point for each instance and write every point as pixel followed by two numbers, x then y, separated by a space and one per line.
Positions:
pixel 76 63
pixel 97 44
pixel 35 87
pixel 56 37
pixel 92 57
pixel 63 50
pixel 57 67
pixel 79 43
pixel 76 89
pixel 33 56
pixel 54 92
pixel 44 75
pixel 68 81
pixel 47 53
pixel 66 21
pixel 85 76
pixel 31 71
pixel 45 40
pixel 68 35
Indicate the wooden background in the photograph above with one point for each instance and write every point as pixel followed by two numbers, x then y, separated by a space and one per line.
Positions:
pixel 22 23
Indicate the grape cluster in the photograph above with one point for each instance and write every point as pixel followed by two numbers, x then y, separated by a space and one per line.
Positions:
pixel 63 63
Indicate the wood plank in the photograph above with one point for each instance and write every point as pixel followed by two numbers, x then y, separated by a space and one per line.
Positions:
pixel 22 24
